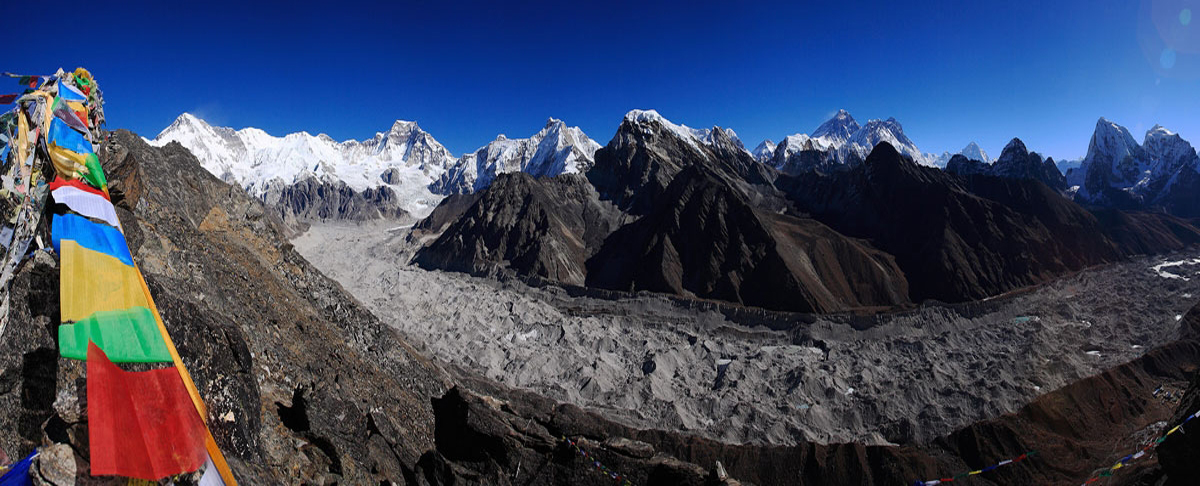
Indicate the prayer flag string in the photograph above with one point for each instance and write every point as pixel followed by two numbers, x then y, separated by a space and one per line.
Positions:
pixel 967 474
pixel 615 476
pixel 1124 461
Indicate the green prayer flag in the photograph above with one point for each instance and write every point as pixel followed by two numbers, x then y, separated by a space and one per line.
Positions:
pixel 95 175
pixel 126 336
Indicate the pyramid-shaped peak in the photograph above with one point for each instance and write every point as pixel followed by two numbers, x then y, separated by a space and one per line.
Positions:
pixel 839 127
pixel 1014 145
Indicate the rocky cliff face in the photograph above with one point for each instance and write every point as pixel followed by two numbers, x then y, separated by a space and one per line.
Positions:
pixel 313 199
pixel 1017 162
pixel 540 227
pixel 707 240
pixel 648 151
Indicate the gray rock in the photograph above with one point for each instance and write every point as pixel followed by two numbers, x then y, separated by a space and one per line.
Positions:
pixel 54 466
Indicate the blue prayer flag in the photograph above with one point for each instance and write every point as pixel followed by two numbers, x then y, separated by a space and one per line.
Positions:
pixel 66 137
pixel 97 237
pixel 69 93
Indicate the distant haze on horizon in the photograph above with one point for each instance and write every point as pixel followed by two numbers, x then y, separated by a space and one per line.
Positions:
pixel 950 72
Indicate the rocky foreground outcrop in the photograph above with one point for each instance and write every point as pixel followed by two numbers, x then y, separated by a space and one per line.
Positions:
pixel 290 365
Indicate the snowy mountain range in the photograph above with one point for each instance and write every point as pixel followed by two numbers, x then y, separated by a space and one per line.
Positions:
pixel 419 171
pixel 406 160
pixel 839 142
pixel 972 152
pixel 556 149
pixel 406 170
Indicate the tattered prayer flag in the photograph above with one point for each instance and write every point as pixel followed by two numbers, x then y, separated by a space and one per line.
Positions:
pixel 78 110
pixel 140 424
pixel 64 136
pixel 8 98
pixel 78 184
pixel 126 336
pixel 93 236
pixel 91 282
pixel 71 118
pixel 86 203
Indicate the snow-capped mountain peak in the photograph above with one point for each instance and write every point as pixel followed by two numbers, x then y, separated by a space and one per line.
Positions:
pixel 764 151
pixel 875 131
pixel 1165 169
pixel 1167 151
pixel 1113 144
pixel 1111 139
pixel 974 152
pixel 1114 160
pixel 405 158
pixel 841 140
pixel 694 137
pixel 837 129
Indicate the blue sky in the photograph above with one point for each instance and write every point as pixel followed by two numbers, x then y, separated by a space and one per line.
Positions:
pixel 950 72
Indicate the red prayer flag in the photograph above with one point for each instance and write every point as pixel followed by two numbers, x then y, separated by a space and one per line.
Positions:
pixel 8 98
pixel 76 183
pixel 141 424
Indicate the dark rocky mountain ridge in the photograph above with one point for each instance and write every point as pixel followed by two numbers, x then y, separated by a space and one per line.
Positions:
pixel 1015 162
pixel 706 220
pixel 314 199
pixel 682 217
pixel 966 238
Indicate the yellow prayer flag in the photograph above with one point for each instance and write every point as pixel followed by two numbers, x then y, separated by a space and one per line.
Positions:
pixel 70 165
pixel 91 282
